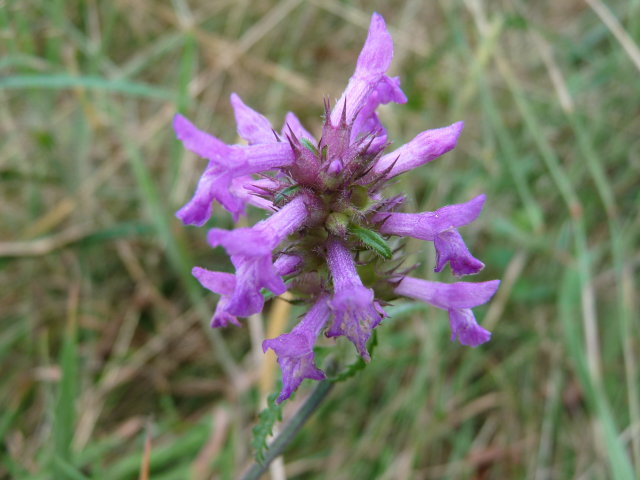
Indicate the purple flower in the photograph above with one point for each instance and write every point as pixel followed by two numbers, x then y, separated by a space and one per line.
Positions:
pixel 458 299
pixel 251 251
pixel 329 220
pixel 295 349
pixel 440 227
pixel 224 284
pixel 225 164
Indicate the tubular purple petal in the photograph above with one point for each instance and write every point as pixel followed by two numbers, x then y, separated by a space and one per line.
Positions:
pixel 427 225
pixel 425 147
pixel 225 285
pixel 265 235
pixel 287 264
pixel 387 90
pixel 216 182
pixel 448 295
pixel 355 313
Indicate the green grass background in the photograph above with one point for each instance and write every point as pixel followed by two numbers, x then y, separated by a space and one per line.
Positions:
pixel 104 339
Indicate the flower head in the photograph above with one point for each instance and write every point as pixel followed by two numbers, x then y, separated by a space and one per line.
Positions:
pixel 326 237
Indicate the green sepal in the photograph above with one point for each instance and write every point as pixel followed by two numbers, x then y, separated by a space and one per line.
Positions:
pixel 282 195
pixel 372 240
pixel 310 146
pixel 323 154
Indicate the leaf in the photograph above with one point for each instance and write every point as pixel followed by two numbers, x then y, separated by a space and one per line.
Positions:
pixel 264 428
pixel 64 81
pixel 372 240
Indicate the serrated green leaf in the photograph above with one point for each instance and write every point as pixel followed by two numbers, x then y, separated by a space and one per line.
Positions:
pixel 310 146
pixel 372 240
pixel 264 428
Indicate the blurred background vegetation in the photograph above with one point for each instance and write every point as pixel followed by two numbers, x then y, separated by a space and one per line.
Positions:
pixel 108 366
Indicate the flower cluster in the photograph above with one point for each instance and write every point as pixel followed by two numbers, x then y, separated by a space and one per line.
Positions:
pixel 326 237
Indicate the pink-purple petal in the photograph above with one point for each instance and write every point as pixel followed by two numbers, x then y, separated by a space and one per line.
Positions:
pixel 373 61
pixel 387 90
pixel 252 126
pixel 448 295
pixel 251 253
pixel 223 284
pixel 217 181
pixel 450 248
pixel 427 225
pixel 295 349
pixel 214 184
pixel 355 313
pixel 424 148
pixel 292 122
pixel 199 142
pixel 457 299
pixel 465 329
pixel 439 227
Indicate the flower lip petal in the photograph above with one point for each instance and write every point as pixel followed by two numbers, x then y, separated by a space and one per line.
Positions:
pixel 465 328
pixel 214 184
pixel 377 52
pixel 355 315
pixel 252 126
pixel 199 142
pixel 222 283
pixel 450 247
pixel 373 61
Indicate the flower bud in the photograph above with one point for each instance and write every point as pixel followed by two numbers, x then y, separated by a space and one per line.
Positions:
pixel 337 224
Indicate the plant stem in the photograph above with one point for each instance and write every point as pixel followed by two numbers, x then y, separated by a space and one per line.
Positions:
pixel 290 430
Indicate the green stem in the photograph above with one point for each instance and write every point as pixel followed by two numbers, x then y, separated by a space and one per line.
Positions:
pixel 290 430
